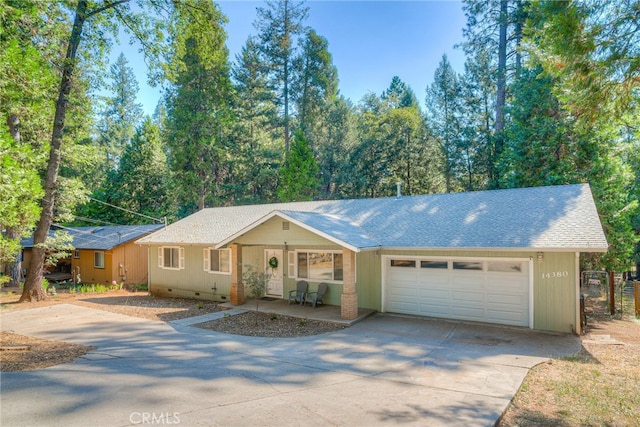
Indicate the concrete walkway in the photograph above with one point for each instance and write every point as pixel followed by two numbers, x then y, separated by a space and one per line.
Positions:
pixel 384 370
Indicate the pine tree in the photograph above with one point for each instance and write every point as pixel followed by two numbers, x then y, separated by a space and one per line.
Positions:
pixel 317 82
pixel 143 179
pixel 279 25
pixel 199 106
pixel 443 112
pixel 299 174
pixel 259 146
pixel 121 114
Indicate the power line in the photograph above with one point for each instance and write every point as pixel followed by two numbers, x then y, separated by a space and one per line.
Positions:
pixel 95 221
pixel 131 212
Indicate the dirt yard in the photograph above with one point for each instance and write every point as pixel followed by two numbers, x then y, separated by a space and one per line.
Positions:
pixel 600 386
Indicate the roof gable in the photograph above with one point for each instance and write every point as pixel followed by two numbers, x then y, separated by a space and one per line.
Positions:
pixel 330 227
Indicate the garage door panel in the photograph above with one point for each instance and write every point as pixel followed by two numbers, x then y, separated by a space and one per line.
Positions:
pixel 506 316
pixel 434 309
pixel 477 295
pixel 468 313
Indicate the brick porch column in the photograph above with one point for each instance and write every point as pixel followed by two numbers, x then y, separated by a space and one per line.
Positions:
pixel 349 298
pixel 237 287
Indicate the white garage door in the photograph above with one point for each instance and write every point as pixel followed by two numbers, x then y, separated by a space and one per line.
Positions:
pixel 484 290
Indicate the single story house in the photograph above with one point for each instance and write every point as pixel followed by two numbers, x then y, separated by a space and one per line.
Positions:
pixel 102 255
pixel 502 256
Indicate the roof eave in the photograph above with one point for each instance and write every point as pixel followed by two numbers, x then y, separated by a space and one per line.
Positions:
pixel 494 249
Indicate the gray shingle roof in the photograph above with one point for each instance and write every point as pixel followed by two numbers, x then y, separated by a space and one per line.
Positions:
pixel 555 217
pixel 102 238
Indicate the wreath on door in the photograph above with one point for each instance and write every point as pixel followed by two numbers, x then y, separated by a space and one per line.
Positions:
pixel 273 262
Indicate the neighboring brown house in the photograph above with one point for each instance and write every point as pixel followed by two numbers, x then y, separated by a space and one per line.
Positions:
pixel 102 255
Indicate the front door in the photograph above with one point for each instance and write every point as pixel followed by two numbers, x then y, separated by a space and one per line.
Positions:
pixel 274 268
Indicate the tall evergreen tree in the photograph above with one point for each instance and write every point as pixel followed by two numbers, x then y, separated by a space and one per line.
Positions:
pixel 199 115
pixel 279 25
pixel 317 82
pixel 121 114
pixel 443 112
pixel 495 27
pixel 333 143
pixel 142 181
pixel 478 99
pixel 299 174
pixel 259 144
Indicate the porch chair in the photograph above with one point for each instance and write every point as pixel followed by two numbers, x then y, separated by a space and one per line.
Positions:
pixel 299 293
pixel 316 297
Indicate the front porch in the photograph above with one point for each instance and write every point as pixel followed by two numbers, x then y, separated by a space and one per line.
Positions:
pixel 328 313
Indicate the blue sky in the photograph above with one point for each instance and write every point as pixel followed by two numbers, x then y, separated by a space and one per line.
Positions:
pixel 371 41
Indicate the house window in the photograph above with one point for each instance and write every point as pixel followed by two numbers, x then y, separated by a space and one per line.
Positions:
pixel 217 260
pixel 171 257
pixel 98 259
pixel 319 265
pixel 76 254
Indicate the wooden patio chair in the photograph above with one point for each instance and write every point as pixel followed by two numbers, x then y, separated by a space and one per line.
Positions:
pixel 299 293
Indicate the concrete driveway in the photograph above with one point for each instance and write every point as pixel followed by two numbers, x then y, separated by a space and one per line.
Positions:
pixel 385 370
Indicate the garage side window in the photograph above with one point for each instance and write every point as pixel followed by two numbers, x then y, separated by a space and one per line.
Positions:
pixel 320 266
pixel 505 267
pixel 171 257
pixel 467 265
pixel 217 260
pixel 98 259
pixel 411 263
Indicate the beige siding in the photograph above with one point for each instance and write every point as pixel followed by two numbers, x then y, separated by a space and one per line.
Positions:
pixel 555 292
pixel 271 233
pixel 368 280
pixel 190 282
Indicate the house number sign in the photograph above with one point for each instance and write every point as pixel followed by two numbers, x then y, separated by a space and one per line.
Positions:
pixel 555 274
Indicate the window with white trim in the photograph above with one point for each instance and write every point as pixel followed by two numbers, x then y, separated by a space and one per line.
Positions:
pixel 171 257
pixel 217 260
pixel 316 265
pixel 98 259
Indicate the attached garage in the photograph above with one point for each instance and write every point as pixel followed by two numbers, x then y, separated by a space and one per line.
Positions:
pixel 493 290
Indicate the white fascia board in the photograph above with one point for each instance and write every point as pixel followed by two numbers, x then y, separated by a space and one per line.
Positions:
pixel 492 249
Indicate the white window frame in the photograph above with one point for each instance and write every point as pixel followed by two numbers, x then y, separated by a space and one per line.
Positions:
pixel 293 264
pixel 180 258
pixel 95 265
pixel 206 260
pixel 76 254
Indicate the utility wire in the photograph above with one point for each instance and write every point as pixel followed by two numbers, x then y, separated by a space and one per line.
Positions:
pixel 95 221
pixel 131 212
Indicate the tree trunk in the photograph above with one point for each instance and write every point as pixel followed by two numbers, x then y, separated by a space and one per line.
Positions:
pixel 13 233
pixel 286 79
pixel 16 266
pixel 502 70
pixel 33 284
